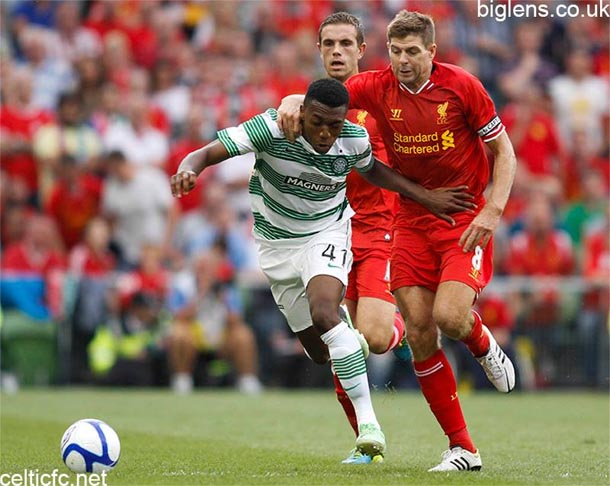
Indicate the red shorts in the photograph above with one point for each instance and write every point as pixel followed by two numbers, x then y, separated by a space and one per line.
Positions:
pixel 370 275
pixel 427 254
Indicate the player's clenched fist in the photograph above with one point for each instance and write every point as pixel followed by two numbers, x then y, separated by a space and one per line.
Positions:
pixel 183 182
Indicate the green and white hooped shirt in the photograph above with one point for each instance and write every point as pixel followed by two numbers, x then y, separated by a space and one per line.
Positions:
pixel 295 191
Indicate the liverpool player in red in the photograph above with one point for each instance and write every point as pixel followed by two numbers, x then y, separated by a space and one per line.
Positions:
pixel 434 119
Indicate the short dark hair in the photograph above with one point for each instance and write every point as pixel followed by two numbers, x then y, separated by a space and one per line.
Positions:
pixel 343 18
pixel 407 23
pixel 327 91
pixel 115 156
pixel 68 97
pixel 67 160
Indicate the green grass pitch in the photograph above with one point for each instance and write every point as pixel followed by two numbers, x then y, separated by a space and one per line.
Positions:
pixel 288 438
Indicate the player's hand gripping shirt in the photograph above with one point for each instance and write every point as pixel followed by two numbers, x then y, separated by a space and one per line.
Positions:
pixel 295 191
pixel 434 136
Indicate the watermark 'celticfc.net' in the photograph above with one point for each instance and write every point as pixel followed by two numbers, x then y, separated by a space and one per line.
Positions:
pixel 33 477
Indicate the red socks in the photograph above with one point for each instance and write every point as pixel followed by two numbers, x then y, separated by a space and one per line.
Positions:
pixel 346 403
pixel 398 331
pixel 438 385
pixel 478 341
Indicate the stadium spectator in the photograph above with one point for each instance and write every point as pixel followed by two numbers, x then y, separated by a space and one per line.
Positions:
pixel 150 277
pixel 289 75
pixel 91 267
pixel 483 39
pixel 448 51
pixel 589 209
pixel 14 220
pixel 581 160
pixel 139 205
pixel 74 199
pixel 214 222
pixel 526 66
pixel 117 59
pixel 536 141
pixel 76 41
pixel 69 136
pixel 123 352
pixel 191 139
pixel 592 317
pixel 19 120
pixel 90 83
pixel 540 250
pixel 173 98
pixel 580 100
pixel 107 110
pixel 33 271
pixel 265 31
pixel 143 145
pixel 140 85
pixel 51 75
pixel 14 208
pixel 208 319
pixel 39 13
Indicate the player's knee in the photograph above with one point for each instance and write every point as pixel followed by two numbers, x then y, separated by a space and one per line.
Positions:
pixel 378 341
pixel 324 316
pixel 423 339
pixel 449 320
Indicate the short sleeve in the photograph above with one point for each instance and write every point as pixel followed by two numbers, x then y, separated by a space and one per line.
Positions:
pixel 254 135
pixel 480 110
pixel 365 160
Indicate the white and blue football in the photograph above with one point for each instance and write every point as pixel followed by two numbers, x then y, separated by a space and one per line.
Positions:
pixel 90 446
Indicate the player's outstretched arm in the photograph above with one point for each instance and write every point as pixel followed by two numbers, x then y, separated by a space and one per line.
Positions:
pixel 483 226
pixel 289 116
pixel 441 201
pixel 183 181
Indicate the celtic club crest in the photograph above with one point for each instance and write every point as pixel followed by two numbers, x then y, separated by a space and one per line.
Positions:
pixel 340 165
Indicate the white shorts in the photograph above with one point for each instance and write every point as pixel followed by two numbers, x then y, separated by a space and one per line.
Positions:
pixel 289 265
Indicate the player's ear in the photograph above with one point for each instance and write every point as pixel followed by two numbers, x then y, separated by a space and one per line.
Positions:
pixel 361 49
pixel 432 51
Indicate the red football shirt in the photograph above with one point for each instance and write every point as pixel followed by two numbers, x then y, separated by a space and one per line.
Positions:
pixel 72 205
pixel 551 255
pixel 540 145
pixel 433 136
pixel 23 123
pixel 374 206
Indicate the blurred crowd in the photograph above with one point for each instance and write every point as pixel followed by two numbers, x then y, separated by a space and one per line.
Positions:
pixel 101 100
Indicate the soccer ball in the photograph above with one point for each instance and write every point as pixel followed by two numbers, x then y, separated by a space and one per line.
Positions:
pixel 90 445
